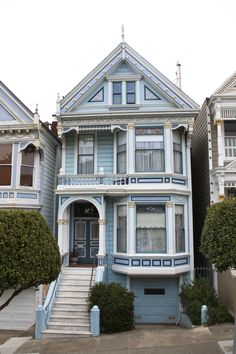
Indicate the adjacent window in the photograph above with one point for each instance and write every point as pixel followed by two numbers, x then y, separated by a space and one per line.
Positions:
pixel 130 92
pixel 121 152
pixel 86 154
pixel 230 139
pixel 27 166
pixel 122 228
pixel 5 164
pixel 177 148
pixel 179 229
pixel 149 95
pixel 117 93
pixel 151 229
pixel 149 155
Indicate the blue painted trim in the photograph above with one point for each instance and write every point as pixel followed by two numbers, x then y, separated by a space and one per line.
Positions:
pixel 98 199
pixel 121 261
pixel 5 195
pixel 133 180
pixel 11 195
pixel 26 196
pixel 156 262
pixel 150 180
pixel 0 195
pixel 178 181
pixel 135 262
pixel 92 99
pixel 181 261
pixel 146 262
pixel 167 263
pixel 149 198
pixel 167 179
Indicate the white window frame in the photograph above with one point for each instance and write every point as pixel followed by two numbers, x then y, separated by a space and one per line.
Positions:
pixel 36 168
pixel 116 226
pixel 12 159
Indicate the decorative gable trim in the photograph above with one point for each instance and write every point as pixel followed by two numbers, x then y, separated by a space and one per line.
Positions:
pixel 149 95
pixel 228 83
pixel 98 97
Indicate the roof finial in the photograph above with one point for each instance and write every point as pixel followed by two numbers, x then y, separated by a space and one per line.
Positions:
pixel 36 108
pixel 123 33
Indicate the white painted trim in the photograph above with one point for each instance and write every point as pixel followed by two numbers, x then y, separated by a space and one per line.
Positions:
pixel 150 270
pixel 63 155
pixel 76 151
pixel 95 153
pixel 115 152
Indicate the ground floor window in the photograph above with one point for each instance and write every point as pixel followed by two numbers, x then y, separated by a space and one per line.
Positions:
pixel 151 229
pixel 122 228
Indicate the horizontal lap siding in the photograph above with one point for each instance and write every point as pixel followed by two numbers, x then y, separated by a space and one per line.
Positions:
pixel 70 143
pixel 105 152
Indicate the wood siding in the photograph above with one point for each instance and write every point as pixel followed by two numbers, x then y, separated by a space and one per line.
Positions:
pixel 105 152
pixel 70 143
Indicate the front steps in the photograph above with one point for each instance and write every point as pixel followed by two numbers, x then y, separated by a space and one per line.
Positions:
pixel 70 316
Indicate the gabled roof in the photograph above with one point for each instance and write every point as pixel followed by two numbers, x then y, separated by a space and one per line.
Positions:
pixel 124 53
pixel 229 83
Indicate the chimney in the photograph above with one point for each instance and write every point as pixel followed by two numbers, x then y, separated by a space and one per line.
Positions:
pixel 178 75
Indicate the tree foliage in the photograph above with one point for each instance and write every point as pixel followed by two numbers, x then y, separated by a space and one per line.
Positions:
pixel 29 255
pixel 218 239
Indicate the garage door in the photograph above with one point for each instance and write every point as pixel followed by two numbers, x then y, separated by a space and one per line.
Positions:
pixel 20 313
pixel 156 299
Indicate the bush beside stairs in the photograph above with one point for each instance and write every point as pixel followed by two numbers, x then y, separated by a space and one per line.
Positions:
pixel 70 316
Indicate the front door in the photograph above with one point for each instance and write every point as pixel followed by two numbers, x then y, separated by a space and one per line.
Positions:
pixel 86 240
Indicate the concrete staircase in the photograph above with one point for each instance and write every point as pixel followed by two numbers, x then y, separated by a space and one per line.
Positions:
pixel 70 316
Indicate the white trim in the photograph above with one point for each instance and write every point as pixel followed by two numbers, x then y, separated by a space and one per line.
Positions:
pixel 150 270
pixel 76 151
pixel 115 152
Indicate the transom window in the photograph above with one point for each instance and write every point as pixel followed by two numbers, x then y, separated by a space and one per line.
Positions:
pixel 122 228
pixel 151 229
pixel 121 152
pixel 86 154
pixel 130 92
pixel 149 155
pixel 177 149
pixel 179 229
pixel 27 166
pixel 117 93
pixel 5 164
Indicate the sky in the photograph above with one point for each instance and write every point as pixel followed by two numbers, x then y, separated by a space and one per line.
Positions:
pixel 49 46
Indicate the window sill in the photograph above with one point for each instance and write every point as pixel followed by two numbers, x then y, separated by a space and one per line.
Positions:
pixel 123 107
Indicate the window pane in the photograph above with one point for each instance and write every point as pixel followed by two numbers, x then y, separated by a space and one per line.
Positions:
pixel 121 152
pixel 117 87
pixel 122 228
pixel 85 165
pixel 149 160
pixel 26 176
pixel 130 98
pixel 5 175
pixel 117 99
pixel 85 144
pixel 177 147
pixel 5 154
pixel 130 87
pixel 28 156
pixel 179 228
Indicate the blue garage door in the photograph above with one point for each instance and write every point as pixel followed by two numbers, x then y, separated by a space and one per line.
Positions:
pixel 156 299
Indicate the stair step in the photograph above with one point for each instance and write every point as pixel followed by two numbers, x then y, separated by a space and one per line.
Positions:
pixel 70 306
pixel 60 333
pixel 67 326
pixel 58 311
pixel 69 318
pixel 77 288
pixel 72 294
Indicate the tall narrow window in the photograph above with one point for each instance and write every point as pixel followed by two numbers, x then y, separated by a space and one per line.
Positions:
pixel 86 154
pixel 122 228
pixel 5 164
pixel 121 152
pixel 179 229
pixel 151 229
pixel 27 166
pixel 178 156
pixel 117 93
pixel 149 155
pixel 130 92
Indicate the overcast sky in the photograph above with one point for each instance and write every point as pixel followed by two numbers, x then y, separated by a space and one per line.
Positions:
pixel 48 46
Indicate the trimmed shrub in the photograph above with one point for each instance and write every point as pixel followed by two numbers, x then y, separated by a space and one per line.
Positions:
pixel 116 306
pixel 200 292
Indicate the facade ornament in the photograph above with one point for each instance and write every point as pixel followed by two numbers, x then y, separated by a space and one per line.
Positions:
pixel 131 204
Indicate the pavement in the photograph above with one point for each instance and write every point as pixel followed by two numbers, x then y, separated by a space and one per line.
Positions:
pixel 144 339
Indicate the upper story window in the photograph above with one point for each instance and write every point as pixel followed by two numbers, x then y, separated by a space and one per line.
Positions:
pixel 177 149
pixel 5 164
pixel 179 229
pixel 121 152
pixel 151 229
pixel 149 155
pixel 86 154
pixel 27 166
pixel 230 138
pixel 130 92
pixel 121 228
pixel 117 93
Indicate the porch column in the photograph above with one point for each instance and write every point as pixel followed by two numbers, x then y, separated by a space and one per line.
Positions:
pixel 102 241
pixel 137 87
pixel 131 149
pixel 170 230
pixel 131 239
pixel 168 148
pixel 220 141
pixel 63 235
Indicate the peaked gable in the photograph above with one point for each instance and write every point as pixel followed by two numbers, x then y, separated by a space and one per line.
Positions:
pixel 228 87
pixel 124 61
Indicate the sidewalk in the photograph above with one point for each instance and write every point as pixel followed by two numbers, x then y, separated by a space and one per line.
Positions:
pixel 145 339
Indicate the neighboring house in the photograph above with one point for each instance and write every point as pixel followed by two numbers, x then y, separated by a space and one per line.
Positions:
pixel 124 188
pixel 29 163
pixel 214 167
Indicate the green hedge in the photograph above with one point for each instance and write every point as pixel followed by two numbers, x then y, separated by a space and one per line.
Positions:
pixel 200 292
pixel 116 306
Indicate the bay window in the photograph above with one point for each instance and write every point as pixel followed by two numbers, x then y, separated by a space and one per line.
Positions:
pixel 121 228
pixel 177 149
pixel 230 139
pixel 151 228
pixel 5 164
pixel 149 155
pixel 27 166
pixel 86 154
pixel 121 152
pixel 179 229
